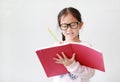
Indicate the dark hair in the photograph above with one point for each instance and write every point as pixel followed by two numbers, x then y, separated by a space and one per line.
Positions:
pixel 73 12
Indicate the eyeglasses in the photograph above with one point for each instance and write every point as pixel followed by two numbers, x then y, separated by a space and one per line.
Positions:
pixel 72 25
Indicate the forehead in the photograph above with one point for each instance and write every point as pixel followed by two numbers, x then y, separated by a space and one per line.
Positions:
pixel 68 19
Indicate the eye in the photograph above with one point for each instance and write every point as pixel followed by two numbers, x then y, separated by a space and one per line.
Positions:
pixel 73 24
pixel 64 25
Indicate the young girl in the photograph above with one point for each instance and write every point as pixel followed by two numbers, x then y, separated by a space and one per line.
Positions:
pixel 70 22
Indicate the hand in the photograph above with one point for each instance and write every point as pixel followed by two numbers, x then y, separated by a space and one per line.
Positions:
pixel 64 60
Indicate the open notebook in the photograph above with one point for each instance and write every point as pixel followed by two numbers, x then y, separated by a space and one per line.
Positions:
pixel 87 56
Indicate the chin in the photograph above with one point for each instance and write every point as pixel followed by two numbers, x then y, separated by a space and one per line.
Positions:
pixel 70 38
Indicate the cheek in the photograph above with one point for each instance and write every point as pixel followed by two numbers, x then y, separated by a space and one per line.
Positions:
pixel 76 31
pixel 63 32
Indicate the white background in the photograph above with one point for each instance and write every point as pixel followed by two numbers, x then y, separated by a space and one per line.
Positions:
pixel 23 29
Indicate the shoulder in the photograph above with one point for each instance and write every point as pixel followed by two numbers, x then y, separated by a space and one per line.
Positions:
pixel 58 43
pixel 86 43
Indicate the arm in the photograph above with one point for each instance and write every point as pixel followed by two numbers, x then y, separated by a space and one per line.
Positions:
pixel 80 70
pixel 75 67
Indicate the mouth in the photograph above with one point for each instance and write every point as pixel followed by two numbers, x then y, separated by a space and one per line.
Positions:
pixel 70 33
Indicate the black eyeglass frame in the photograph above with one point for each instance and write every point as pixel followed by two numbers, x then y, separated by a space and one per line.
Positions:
pixel 69 25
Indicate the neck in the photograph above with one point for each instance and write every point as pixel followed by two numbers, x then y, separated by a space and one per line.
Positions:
pixel 73 40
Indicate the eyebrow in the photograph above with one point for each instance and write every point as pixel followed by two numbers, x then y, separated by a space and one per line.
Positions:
pixel 70 22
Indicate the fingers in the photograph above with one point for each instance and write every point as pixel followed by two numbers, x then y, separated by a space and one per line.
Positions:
pixel 64 56
pixel 59 60
pixel 73 56
pixel 56 59
pixel 62 59
pixel 59 56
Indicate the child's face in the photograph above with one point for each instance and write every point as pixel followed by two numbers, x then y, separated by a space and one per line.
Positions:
pixel 70 33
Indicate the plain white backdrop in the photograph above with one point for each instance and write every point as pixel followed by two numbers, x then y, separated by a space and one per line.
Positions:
pixel 23 29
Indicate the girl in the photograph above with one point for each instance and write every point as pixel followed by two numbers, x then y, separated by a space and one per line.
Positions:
pixel 70 22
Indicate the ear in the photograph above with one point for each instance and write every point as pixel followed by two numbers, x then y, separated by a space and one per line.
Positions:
pixel 80 25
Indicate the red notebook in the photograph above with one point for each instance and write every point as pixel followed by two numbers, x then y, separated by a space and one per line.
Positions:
pixel 85 55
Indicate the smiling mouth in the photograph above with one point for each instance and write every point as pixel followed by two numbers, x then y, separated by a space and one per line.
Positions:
pixel 71 33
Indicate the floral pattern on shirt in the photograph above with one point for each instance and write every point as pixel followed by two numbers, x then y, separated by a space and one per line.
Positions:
pixel 72 76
